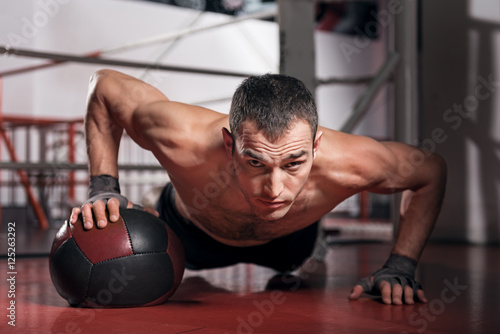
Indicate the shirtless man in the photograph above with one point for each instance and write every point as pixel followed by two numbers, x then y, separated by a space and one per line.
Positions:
pixel 252 186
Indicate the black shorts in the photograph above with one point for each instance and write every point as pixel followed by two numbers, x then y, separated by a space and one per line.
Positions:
pixel 203 252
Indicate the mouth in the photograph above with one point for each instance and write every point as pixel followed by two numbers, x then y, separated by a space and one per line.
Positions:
pixel 272 204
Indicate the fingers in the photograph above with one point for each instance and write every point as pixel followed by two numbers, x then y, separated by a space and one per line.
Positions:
pixel 390 291
pixel 99 209
pixel 390 294
pixel 396 294
pixel 114 209
pixel 88 221
pixel 74 215
pixel 421 296
pixel 409 295
pixel 356 292
pixel 95 214
pixel 386 292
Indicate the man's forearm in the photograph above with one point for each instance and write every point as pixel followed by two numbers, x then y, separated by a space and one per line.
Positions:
pixel 102 136
pixel 102 142
pixel 419 211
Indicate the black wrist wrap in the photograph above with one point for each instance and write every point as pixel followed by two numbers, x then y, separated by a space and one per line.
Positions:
pixel 398 269
pixel 401 263
pixel 103 184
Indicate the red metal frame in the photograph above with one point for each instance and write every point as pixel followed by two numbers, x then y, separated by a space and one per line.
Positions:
pixel 42 218
pixel 40 214
pixel 23 120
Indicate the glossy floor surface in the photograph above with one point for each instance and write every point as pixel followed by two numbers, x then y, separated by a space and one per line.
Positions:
pixel 462 284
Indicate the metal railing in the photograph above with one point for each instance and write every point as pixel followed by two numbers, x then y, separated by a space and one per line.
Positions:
pixel 45 166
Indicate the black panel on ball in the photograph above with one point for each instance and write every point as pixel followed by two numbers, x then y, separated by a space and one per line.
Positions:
pixel 70 270
pixel 132 280
pixel 147 232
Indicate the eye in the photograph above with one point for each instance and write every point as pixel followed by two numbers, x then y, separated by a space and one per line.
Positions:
pixel 255 163
pixel 294 164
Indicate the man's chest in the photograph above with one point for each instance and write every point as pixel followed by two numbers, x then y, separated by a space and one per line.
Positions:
pixel 229 218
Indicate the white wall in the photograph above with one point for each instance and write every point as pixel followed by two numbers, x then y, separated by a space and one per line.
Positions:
pixel 79 27
pixel 335 101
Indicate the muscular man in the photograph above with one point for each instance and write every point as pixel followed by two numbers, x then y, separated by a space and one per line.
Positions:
pixel 251 186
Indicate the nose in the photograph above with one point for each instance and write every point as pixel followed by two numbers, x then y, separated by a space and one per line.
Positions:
pixel 273 186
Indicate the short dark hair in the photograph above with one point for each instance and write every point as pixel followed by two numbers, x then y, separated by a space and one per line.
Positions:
pixel 272 102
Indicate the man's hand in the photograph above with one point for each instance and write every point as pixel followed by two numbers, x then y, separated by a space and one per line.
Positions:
pixel 394 282
pixel 104 192
pixel 390 294
pixel 98 209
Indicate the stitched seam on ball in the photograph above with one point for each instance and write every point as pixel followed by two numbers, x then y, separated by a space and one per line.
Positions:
pixel 88 283
pixel 128 236
pixel 121 257
pixel 90 271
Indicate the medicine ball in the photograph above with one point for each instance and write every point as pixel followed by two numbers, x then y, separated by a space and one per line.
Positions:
pixel 136 261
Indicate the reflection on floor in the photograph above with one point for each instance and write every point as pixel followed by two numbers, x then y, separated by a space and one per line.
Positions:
pixel 462 285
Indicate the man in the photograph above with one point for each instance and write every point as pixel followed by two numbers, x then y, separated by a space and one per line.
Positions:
pixel 252 186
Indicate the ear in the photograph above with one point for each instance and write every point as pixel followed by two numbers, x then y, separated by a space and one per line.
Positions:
pixel 317 141
pixel 228 141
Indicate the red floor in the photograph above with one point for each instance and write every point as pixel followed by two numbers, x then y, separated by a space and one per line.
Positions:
pixel 462 285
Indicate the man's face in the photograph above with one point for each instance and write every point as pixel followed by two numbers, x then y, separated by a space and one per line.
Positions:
pixel 272 174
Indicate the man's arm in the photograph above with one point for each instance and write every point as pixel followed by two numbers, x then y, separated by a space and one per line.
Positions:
pixel 113 101
pixel 421 177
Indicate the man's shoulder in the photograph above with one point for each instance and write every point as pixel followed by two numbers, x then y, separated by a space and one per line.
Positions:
pixel 176 113
pixel 349 161
pixel 178 123
pixel 181 135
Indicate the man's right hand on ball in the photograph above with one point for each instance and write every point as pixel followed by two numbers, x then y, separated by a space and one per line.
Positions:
pixel 95 213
